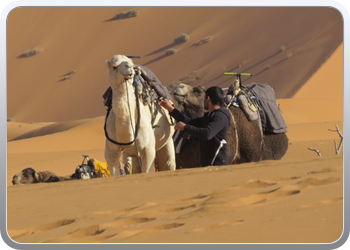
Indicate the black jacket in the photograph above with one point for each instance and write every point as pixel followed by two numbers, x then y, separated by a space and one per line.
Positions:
pixel 211 129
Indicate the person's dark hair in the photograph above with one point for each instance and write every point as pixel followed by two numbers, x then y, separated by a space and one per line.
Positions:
pixel 216 95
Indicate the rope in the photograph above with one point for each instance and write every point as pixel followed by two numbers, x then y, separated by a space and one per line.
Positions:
pixel 236 133
pixel 135 131
pixel 137 126
pixel 132 126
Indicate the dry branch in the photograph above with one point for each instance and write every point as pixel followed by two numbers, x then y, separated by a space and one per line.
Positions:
pixel 337 149
pixel 317 151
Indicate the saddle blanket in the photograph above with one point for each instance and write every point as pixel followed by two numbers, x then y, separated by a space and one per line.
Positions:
pixel 155 83
pixel 271 117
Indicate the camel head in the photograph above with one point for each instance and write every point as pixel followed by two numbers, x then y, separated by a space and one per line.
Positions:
pixel 191 97
pixel 121 68
pixel 27 176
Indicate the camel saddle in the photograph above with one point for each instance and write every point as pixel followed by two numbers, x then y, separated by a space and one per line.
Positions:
pixel 156 88
pixel 263 97
pixel 271 117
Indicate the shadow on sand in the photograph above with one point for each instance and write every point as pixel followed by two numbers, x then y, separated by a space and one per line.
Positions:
pixel 169 46
pixel 25 55
pixel 156 59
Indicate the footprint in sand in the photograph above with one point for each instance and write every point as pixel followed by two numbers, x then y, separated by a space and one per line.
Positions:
pixel 218 225
pixel 322 203
pixel 285 179
pixel 327 170
pixel 154 210
pixel 96 231
pixel 260 198
pixel 126 234
pixel 220 197
pixel 127 221
pixel 130 233
pixel 199 197
pixel 318 182
pixel 88 231
pixel 286 190
pixel 283 191
pixel 176 209
pixel 33 230
pixel 166 226
pixel 226 199
pixel 113 212
pixel 257 184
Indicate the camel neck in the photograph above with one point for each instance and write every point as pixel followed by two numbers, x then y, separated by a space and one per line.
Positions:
pixel 123 95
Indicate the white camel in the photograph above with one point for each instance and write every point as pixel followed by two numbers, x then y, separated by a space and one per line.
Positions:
pixel 153 146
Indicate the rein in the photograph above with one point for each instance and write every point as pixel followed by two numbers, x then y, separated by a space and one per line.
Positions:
pixel 137 124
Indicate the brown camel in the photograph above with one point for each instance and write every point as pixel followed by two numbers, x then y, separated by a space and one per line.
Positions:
pixel 245 142
pixel 29 176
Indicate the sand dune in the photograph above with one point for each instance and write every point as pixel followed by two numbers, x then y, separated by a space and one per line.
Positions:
pixel 283 53
pixel 221 205
pixel 298 199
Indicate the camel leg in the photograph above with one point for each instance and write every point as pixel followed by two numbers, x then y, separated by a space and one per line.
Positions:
pixel 147 159
pixel 112 158
pixel 165 157
pixel 136 169
pixel 127 164
pixel 131 165
pixel 132 162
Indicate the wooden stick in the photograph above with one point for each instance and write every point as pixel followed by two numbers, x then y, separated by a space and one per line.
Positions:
pixel 337 149
pixel 337 130
pixel 340 134
pixel 335 145
pixel 317 151
pixel 340 145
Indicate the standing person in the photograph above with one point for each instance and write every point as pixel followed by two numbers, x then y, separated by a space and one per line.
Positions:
pixel 211 129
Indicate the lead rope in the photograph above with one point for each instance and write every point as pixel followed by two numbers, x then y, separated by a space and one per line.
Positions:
pixel 132 125
pixel 137 124
pixel 236 133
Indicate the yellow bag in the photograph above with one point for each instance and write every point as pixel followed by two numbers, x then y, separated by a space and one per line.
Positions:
pixel 101 167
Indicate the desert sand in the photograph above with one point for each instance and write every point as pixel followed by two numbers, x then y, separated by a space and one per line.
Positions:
pixel 298 199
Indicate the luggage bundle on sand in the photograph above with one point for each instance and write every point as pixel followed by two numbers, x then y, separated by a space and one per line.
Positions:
pixel 93 168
